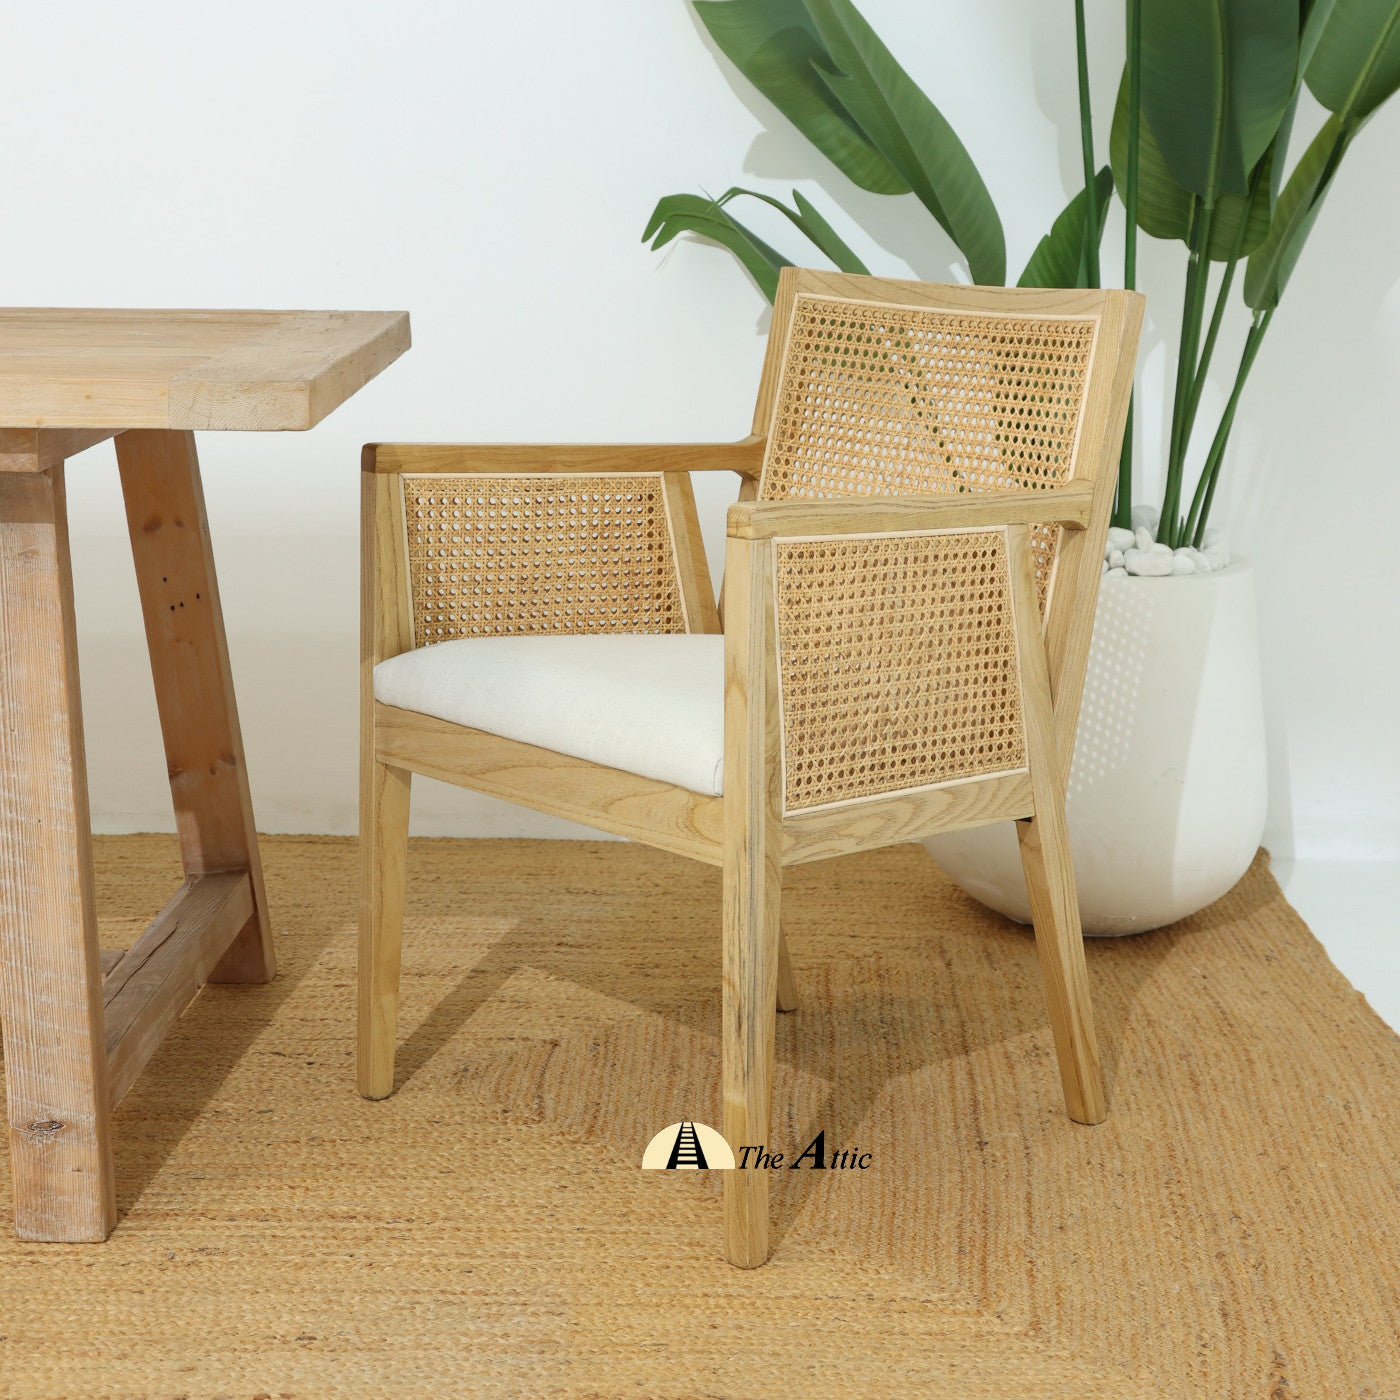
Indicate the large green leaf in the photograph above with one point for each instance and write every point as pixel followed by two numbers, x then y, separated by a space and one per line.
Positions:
pixel 1217 77
pixel 1060 257
pixel 775 45
pixel 693 213
pixel 912 134
pixel 1313 17
pixel 825 237
pixel 1356 65
pixel 1272 264
pixel 1164 206
pixel 805 217
pixel 1316 15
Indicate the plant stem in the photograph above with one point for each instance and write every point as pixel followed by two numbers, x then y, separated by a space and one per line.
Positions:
pixel 1198 383
pixel 1169 528
pixel 1123 503
pixel 1210 473
pixel 1123 509
pixel 1086 142
pixel 1130 194
pixel 1218 315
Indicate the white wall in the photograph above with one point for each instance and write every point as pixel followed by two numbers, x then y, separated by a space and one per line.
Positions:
pixel 490 168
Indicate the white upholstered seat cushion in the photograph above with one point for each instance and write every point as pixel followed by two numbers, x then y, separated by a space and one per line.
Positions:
pixel 648 704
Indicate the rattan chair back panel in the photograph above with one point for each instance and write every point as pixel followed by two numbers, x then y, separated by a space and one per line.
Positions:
pixel 877 398
pixel 520 555
pixel 897 663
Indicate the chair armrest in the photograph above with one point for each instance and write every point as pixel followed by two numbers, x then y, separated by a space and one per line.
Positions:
pixel 744 457
pixel 875 515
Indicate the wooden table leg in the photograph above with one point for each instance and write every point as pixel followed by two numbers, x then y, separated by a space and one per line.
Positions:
pixel 50 975
pixel 194 686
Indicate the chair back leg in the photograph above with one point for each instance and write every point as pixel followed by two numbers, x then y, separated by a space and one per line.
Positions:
pixel 384 803
pixel 787 978
pixel 1045 855
pixel 1059 940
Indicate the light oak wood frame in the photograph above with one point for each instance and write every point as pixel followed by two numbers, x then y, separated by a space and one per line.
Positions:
pixel 748 832
pixel 79 371
pixel 79 1025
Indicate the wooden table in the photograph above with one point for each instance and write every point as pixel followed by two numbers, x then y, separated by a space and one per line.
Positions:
pixel 78 1026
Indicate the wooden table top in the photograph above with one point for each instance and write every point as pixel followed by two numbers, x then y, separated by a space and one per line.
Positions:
pixel 251 370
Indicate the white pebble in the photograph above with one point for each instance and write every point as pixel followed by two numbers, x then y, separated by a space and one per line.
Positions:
pixel 1119 572
pixel 1147 564
pixel 1146 516
pixel 1160 548
pixel 1218 555
pixel 1214 535
pixel 1119 540
pixel 1115 558
pixel 1143 538
pixel 1183 563
pixel 1104 570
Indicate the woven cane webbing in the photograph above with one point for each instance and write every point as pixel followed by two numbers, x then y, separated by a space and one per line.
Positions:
pixel 514 555
pixel 876 399
pixel 897 663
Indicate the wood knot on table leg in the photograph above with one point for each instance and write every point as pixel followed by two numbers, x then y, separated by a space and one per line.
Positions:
pixel 46 1131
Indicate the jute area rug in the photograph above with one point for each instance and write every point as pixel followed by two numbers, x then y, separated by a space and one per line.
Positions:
pixel 1231 1231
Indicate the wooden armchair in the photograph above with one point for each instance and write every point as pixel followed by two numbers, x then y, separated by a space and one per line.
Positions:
pixel 910 584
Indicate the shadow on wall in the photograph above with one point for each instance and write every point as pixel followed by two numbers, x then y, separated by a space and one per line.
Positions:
pixel 1310 478
pixel 1034 41
pixel 780 152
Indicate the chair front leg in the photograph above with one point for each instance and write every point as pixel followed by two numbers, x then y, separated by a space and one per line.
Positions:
pixel 753 874
pixel 751 904
pixel 384 803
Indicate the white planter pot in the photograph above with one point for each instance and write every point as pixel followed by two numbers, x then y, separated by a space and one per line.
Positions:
pixel 1167 792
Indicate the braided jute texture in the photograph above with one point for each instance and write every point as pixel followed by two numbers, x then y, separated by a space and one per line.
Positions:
pixel 1230 1231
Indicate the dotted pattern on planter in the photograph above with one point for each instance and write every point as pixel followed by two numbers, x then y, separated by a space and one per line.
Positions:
pixel 877 399
pixel 496 556
pixel 897 660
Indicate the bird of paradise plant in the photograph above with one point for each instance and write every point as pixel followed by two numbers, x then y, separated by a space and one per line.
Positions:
pixel 1197 151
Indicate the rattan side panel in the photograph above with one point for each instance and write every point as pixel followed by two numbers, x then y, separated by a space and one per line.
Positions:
pixel 516 555
pixel 876 399
pixel 897 663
